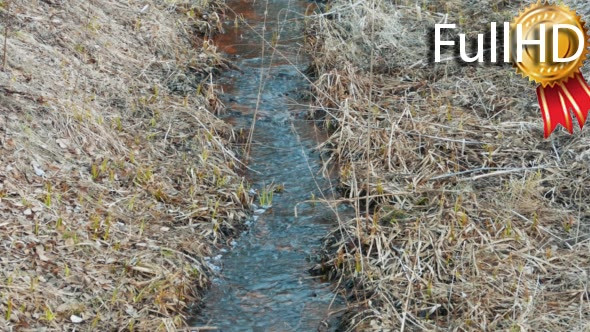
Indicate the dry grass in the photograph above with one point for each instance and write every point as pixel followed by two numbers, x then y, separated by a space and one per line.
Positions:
pixel 115 176
pixel 466 218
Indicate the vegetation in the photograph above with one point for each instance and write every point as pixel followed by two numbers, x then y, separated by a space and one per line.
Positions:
pixel 116 178
pixel 265 196
pixel 466 218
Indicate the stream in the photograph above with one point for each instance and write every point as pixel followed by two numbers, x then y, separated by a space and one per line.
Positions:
pixel 263 283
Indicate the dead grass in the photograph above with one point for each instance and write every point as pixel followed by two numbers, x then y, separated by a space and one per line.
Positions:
pixel 115 175
pixel 466 218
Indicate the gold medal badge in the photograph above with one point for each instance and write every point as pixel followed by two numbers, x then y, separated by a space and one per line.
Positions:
pixel 555 64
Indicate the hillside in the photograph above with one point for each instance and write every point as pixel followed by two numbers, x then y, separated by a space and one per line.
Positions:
pixel 116 177
pixel 466 217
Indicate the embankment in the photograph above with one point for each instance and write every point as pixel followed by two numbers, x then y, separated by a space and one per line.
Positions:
pixel 467 219
pixel 116 178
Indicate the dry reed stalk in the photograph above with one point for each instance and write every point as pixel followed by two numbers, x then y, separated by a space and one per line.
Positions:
pixel 263 43
pixel 6 22
pixel 4 52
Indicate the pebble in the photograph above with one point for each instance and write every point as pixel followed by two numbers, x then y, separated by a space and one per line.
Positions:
pixel 37 169
pixel 214 267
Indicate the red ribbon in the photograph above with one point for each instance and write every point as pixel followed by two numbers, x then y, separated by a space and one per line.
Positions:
pixel 557 101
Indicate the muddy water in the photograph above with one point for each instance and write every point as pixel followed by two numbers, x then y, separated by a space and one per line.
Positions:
pixel 263 284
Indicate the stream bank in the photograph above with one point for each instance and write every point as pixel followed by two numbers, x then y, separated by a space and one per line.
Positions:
pixel 116 177
pixel 466 218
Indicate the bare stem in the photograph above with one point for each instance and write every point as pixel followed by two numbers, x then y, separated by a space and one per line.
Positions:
pixel 5 42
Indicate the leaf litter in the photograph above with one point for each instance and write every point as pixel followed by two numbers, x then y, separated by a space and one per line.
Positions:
pixel 116 176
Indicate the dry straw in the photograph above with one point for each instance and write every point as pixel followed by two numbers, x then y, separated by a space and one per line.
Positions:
pixel 115 176
pixel 474 222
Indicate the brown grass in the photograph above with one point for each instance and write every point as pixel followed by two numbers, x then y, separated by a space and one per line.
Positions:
pixel 115 175
pixel 466 218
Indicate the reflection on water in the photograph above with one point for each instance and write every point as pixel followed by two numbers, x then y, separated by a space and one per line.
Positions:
pixel 264 284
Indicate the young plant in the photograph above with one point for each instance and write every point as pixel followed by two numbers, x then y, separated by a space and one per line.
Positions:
pixel 95 172
pixel 48 194
pixel 265 197
pixel 8 310
pixel 49 315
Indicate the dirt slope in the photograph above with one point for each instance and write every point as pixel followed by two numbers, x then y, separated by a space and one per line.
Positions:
pixel 116 178
pixel 467 219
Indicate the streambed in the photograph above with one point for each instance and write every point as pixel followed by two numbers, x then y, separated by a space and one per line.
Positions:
pixel 264 284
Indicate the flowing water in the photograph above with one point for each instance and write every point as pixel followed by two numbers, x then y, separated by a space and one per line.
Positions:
pixel 264 284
